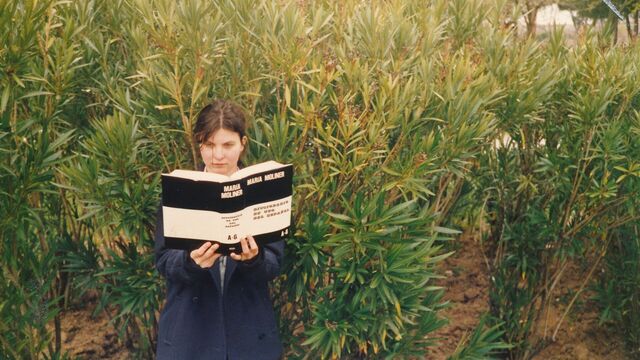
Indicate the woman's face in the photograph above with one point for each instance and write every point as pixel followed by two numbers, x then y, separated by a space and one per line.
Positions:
pixel 221 152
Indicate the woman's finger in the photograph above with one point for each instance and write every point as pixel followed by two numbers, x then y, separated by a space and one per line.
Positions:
pixel 245 246
pixel 209 257
pixel 252 243
pixel 200 251
pixel 254 247
pixel 210 251
pixel 210 261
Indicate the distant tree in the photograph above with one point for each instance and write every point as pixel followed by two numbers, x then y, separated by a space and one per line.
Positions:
pixel 592 9
pixel 598 10
pixel 530 9
pixel 631 10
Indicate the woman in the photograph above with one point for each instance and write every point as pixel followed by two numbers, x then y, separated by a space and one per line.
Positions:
pixel 218 307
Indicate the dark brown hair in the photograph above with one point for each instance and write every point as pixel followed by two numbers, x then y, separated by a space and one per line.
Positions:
pixel 220 114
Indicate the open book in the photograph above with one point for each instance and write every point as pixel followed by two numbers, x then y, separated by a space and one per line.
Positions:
pixel 198 206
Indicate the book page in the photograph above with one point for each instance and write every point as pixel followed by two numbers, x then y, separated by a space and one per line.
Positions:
pixel 199 175
pixel 257 168
pixel 244 172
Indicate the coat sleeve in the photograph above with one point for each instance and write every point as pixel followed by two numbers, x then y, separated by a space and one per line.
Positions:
pixel 173 264
pixel 266 265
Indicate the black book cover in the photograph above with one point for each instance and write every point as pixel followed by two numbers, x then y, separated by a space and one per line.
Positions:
pixel 222 209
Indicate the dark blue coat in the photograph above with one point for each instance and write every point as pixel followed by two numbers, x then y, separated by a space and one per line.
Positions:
pixel 197 322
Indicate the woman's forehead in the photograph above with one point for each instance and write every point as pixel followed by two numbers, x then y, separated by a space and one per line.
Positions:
pixel 223 135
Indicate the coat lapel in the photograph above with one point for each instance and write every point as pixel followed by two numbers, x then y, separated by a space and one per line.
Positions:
pixel 231 267
pixel 214 271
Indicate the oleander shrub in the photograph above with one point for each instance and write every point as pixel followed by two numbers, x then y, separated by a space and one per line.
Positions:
pixel 400 117
pixel 33 143
pixel 616 290
pixel 562 179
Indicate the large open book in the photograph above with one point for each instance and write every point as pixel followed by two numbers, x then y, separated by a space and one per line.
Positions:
pixel 198 206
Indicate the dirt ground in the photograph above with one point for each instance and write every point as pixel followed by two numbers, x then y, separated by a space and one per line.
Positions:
pixel 466 286
pixel 85 336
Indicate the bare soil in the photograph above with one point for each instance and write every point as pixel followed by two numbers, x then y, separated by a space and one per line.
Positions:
pixel 467 289
pixel 466 285
pixel 85 336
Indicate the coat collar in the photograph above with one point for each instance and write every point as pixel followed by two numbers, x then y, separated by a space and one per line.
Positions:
pixel 214 271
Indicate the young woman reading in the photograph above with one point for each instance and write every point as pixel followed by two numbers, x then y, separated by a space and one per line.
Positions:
pixel 218 307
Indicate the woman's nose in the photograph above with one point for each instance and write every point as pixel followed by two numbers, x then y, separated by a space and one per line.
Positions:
pixel 218 153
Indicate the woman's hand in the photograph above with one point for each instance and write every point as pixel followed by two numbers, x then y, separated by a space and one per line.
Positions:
pixel 205 256
pixel 249 249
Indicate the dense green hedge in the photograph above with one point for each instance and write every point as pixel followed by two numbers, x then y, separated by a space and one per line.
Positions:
pixel 400 117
